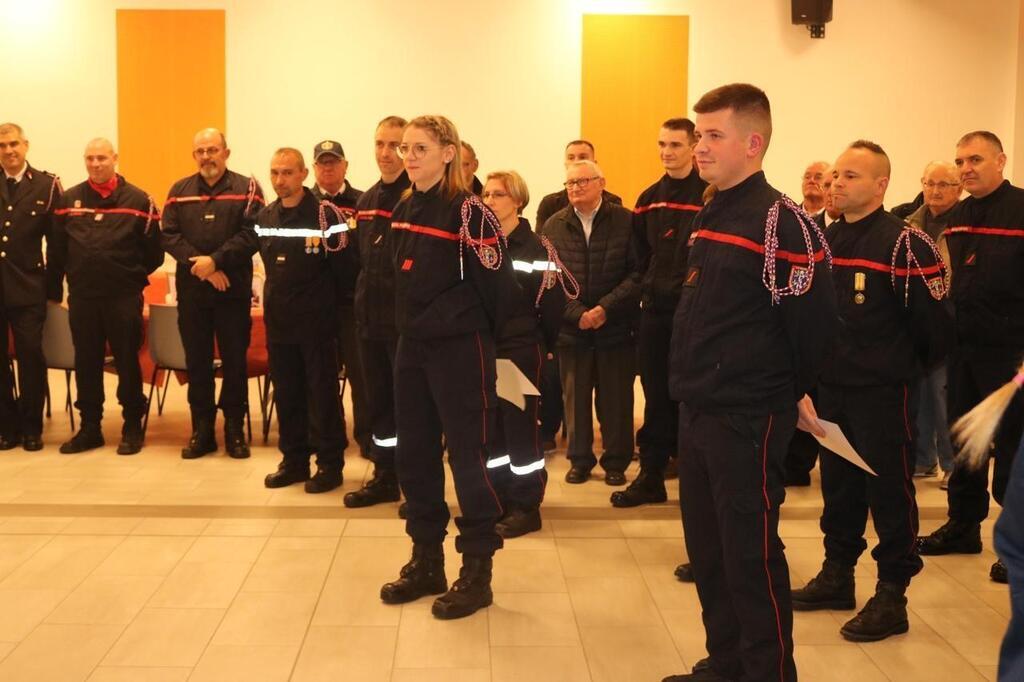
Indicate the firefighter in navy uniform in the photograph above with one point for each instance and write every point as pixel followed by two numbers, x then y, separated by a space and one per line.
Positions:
pixel 299 241
pixel 107 240
pixel 986 251
pixel 527 338
pixel 28 197
pixel 661 226
pixel 206 224
pixel 889 282
pixel 756 317
pixel 330 168
pixel 375 312
pixel 452 276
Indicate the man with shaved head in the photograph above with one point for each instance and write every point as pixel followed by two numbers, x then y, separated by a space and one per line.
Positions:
pixel 986 251
pixel 27 199
pixel 891 335
pixel 107 240
pixel 940 185
pixel 207 225
pixel 300 309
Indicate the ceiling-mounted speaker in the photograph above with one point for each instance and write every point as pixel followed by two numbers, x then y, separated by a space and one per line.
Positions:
pixel 813 14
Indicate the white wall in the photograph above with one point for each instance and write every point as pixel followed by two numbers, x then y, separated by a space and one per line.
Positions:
pixel 911 74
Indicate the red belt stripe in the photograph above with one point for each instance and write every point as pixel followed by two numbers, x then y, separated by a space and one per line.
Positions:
pixel 122 211
pixel 743 242
pixel 437 232
pixel 995 231
pixel 885 267
pixel 667 204
pixel 372 213
pixel 219 197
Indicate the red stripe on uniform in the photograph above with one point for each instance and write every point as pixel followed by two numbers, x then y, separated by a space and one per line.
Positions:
pixel 885 267
pixel 439 233
pixel 995 231
pixel 749 245
pixel 667 204
pixel 767 570
pixel 122 211
pixel 219 197
pixel 372 213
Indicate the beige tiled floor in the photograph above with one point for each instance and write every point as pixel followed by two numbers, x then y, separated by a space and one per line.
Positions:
pixel 150 568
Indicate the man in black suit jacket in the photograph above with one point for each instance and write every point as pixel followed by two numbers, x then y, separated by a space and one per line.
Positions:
pixel 27 198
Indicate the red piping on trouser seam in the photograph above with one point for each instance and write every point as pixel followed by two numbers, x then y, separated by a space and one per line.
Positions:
pixel 767 572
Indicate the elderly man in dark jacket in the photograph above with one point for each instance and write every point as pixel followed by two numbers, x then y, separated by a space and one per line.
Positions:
pixel 596 344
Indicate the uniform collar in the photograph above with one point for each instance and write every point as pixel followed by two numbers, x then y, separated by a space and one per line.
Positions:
pixel 20 175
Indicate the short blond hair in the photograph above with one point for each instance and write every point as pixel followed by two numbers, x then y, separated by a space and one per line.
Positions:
pixel 514 185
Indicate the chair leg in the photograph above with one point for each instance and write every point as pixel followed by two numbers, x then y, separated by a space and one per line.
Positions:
pixel 70 403
pixel 14 378
pixel 149 401
pixel 48 413
pixel 248 422
pixel 162 397
pixel 269 420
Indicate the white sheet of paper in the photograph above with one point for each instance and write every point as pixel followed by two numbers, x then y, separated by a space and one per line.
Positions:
pixel 835 440
pixel 513 385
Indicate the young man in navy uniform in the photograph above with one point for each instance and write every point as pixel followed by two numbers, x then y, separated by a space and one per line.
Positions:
pixel 756 316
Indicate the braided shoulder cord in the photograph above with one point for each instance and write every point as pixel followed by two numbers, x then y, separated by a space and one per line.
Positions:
pixel 341 215
pixel 250 194
pixel 490 256
pixel 556 273
pixel 797 286
pixel 149 217
pixel 937 286
pixel 55 187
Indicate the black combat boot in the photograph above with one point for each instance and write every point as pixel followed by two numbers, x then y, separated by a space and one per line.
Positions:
pixel 470 593
pixel 647 488
pixel 203 440
pixel 953 537
pixel 997 573
pixel 132 437
pixel 832 588
pixel 423 575
pixel 287 473
pixel 88 438
pixel 234 438
pixel 518 522
pixel 884 615
pixel 383 487
pixel 684 573
pixel 324 481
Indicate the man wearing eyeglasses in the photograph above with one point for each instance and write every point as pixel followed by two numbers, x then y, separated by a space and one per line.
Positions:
pixel 941 186
pixel 597 349
pixel 206 228
pixel 330 168
pixel 986 255
pixel 575 151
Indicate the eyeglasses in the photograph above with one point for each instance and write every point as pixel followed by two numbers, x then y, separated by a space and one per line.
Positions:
pixel 413 151
pixel 207 151
pixel 941 186
pixel 497 195
pixel 579 182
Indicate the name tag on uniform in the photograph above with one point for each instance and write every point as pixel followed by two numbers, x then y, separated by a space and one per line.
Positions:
pixel 692 275
pixel 40 202
pixel 209 217
pixel 281 258
pixel 98 217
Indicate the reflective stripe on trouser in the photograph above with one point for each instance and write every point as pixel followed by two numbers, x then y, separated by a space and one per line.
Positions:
pixel 522 481
pixel 445 395
pixel 377 358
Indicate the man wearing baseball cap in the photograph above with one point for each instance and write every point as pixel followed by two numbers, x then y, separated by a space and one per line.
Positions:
pixel 330 167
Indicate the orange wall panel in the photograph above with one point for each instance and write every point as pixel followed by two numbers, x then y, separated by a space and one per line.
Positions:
pixel 170 83
pixel 634 77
